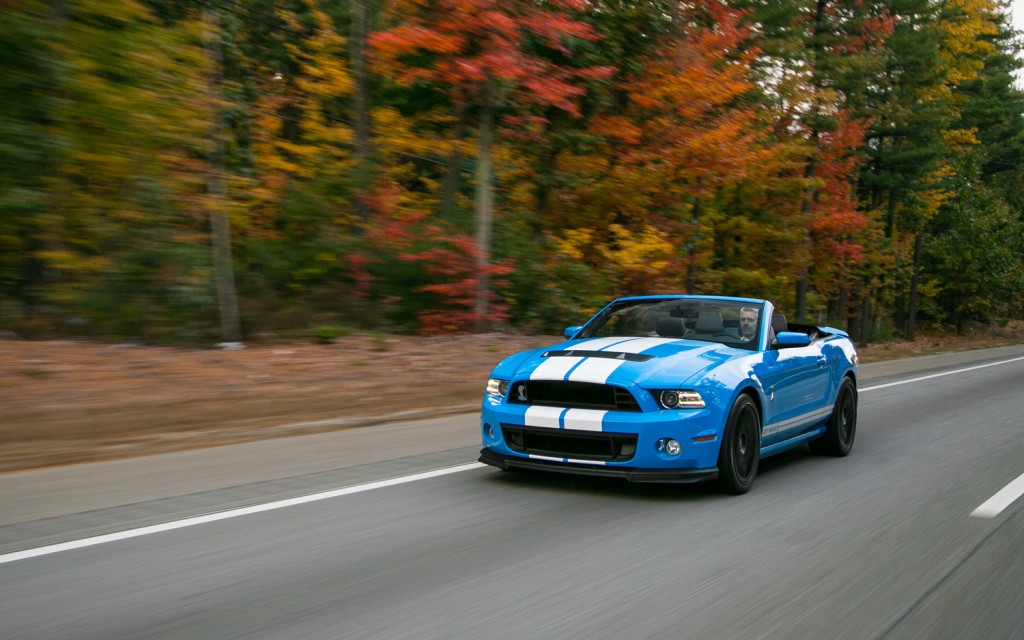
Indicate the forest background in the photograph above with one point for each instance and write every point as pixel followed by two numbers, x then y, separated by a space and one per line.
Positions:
pixel 190 172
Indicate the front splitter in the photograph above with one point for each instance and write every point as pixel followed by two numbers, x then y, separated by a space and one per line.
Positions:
pixel 631 474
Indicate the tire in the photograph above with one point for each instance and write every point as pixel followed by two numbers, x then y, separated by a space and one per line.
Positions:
pixel 741 448
pixel 841 428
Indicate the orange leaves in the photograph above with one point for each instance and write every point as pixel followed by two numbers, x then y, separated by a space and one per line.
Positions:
pixel 691 131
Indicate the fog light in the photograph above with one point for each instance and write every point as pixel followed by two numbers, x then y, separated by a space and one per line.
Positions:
pixel 489 434
pixel 669 447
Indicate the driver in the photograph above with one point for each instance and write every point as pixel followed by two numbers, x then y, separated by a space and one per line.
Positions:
pixel 748 324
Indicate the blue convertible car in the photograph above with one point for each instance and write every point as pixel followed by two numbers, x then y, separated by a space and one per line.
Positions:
pixel 673 388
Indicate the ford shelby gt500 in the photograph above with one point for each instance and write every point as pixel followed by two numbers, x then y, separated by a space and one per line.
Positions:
pixel 673 388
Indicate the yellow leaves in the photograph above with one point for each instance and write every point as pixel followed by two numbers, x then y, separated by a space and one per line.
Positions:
pixel 965 26
pixel 573 242
pixel 646 251
pixel 74 262
pixel 932 199
pixel 960 140
pixel 315 144
pixel 398 135
pixel 637 260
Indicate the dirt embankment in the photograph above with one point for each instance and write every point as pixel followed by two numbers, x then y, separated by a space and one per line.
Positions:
pixel 65 402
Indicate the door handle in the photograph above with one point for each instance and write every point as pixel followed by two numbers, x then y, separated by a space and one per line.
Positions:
pixel 821 361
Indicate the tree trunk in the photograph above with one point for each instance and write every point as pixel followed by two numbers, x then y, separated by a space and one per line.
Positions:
pixel 810 194
pixel 450 186
pixel 220 226
pixel 361 109
pixel 865 317
pixel 691 264
pixel 899 311
pixel 805 210
pixel 840 312
pixel 914 278
pixel 484 216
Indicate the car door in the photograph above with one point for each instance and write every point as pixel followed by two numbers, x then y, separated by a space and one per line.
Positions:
pixel 795 382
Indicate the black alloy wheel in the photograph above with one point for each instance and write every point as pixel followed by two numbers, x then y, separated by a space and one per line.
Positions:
pixel 841 428
pixel 741 448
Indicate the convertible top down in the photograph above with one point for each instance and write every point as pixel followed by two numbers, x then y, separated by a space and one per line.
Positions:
pixel 673 388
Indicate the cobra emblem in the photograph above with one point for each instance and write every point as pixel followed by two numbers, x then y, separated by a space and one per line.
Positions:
pixel 521 392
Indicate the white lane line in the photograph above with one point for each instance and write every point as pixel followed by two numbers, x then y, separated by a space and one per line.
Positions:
pixel 1008 494
pixel 1004 498
pixel 939 375
pixel 227 515
pixel 993 506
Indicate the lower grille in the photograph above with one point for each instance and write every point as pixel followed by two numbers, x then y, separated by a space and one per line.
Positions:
pixel 567 443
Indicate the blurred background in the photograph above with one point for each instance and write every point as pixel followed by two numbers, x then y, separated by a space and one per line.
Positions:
pixel 191 172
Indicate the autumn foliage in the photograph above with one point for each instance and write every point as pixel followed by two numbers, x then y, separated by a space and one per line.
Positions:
pixel 453 165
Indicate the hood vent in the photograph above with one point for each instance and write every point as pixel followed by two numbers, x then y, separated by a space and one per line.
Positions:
pixel 610 355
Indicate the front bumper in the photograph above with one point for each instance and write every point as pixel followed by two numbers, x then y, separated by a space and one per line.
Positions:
pixel 631 474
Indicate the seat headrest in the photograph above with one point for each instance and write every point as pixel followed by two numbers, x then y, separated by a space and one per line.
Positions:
pixel 779 323
pixel 709 322
pixel 670 327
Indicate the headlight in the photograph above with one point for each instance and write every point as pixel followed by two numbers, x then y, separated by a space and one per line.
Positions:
pixel 671 399
pixel 496 387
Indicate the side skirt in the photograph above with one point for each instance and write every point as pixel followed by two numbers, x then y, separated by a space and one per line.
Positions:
pixel 785 445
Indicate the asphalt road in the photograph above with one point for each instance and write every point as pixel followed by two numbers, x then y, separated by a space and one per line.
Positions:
pixel 881 544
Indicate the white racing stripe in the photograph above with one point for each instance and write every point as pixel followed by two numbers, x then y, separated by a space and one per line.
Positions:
pixel 227 515
pixel 791 423
pixel 555 368
pixel 598 370
pixel 639 345
pixel 547 417
pixel 595 370
pixel 599 344
pixel 1004 498
pixel 584 419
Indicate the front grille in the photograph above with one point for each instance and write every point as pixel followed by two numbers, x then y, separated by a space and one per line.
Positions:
pixel 573 395
pixel 566 443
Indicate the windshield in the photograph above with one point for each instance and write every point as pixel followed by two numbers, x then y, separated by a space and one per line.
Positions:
pixel 736 324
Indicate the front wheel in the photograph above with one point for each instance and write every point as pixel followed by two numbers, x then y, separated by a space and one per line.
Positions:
pixel 741 448
pixel 842 426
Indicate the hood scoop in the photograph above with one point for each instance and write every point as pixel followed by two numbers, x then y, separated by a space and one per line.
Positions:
pixel 610 355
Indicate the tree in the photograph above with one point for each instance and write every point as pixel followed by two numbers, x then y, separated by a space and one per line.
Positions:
pixel 28 148
pixel 476 52
pixel 126 253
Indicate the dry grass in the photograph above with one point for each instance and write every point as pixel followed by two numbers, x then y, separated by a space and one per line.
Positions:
pixel 70 402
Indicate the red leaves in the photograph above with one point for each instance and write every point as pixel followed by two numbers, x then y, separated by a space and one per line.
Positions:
pixel 470 42
pixel 450 261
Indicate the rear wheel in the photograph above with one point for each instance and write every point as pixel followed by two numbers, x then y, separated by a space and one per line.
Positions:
pixel 842 426
pixel 741 448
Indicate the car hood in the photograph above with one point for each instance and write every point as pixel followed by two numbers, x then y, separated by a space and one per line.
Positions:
pixel 648 362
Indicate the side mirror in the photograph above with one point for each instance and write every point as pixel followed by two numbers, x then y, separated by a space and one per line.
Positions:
pixel 571 331
pixel 789 339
